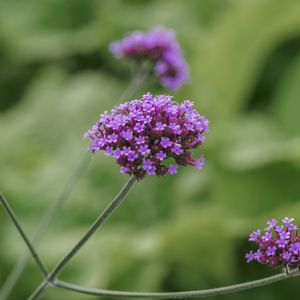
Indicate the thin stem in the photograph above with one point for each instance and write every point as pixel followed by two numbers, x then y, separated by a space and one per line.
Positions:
pixel 99 221
pixel 139 77
pixel 175 295
pixel 44 225
pixel 27 241
pixel 62 198
pixel 141 73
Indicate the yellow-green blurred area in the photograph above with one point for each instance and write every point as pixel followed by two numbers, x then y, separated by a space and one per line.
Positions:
pixel 187 231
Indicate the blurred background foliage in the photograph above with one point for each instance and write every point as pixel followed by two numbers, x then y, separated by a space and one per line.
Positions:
pixel 181 232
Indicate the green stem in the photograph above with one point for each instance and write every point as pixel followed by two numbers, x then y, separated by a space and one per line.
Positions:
pixel 99 221
pixel 27 241
pixel 139 77
pixel 50 214
pixel 175 295
pixel 141 73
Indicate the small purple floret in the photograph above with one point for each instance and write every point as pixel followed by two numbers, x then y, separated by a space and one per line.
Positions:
pixel 272 223
pixel 165 142
pixel 271 251
pixel 199 163
pixel 161 155
pixel 250 256
pixel 172 169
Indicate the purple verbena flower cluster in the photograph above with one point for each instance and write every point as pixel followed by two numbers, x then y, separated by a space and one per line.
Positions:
pixel 159 46
pixel 143 135
pixel 279 245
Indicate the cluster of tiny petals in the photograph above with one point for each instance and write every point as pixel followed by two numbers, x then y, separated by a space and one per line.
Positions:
pixel 143 135
pixel 161 47
pixel 279 244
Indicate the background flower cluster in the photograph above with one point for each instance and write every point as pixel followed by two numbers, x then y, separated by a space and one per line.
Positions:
pixel 160 46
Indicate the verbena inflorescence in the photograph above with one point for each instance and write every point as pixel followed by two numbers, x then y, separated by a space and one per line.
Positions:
pixel 159 46
pixel 151 136
pixel 279 244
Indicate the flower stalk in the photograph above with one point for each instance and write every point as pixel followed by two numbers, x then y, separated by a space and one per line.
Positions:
pixel 99 221
pixel 22 233
pixel 177 295
pixel 139 76
pixel 51 280
pixel 48 217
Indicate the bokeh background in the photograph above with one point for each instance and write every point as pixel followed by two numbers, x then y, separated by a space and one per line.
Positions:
pixel 181 232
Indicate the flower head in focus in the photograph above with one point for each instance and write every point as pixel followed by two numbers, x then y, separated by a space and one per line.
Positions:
pixel 160 47
pixel 151 136
pixel 279 244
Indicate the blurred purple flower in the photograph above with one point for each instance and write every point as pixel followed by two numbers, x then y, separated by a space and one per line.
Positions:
pixel 250 256
pixel 159 45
